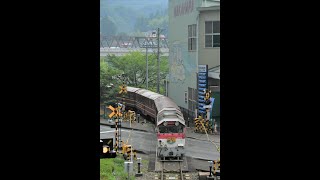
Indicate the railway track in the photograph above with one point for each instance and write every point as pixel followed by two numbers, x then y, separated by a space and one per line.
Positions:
pixel 176 174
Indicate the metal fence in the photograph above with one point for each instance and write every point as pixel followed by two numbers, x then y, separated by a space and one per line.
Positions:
pixel 188 116
pixel 132 42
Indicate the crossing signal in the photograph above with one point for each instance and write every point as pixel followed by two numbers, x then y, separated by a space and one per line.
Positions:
pixel 123 89
pixel 115 111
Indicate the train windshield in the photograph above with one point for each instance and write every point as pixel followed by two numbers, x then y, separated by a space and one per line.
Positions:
pixel 170 129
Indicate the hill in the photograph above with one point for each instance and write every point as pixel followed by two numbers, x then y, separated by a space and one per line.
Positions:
pixel 132 16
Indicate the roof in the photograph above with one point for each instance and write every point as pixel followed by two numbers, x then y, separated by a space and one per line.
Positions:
pixel 214 72
pixel 165 102
pixel 148 94
pixel 208 5
pixel 210 8
pixel 177 113
pixel 132 89
pixel 160 100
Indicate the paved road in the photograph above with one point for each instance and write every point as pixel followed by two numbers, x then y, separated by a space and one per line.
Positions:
pixel 201 149
pixel 146 142
pixel 142 141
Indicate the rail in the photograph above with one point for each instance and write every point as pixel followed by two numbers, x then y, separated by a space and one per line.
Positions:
pixel 163 170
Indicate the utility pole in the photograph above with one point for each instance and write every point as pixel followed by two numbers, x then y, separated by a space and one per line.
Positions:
pixel 158 82
pixel 147 65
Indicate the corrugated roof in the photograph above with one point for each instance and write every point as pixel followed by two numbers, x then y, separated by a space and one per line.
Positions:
pixel 165 102
pixel 214 72
pixel 132 89
pixel 160 100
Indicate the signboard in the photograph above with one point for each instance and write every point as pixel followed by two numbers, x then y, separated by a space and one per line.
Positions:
pixel 202 86
pixel 202 68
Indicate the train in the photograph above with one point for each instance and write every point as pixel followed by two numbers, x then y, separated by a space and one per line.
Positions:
pixel 167 117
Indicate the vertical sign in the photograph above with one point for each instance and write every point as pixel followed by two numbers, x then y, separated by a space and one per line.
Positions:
pixel 202 86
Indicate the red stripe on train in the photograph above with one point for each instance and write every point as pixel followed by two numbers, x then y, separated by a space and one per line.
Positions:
pixel 169 135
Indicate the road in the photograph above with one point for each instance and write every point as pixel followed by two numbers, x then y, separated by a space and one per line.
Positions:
pixel 142 141
pixel 201 149
pixel 146 142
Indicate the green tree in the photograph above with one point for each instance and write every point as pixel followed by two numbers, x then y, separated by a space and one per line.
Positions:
pixel 108 85
pixel 133 68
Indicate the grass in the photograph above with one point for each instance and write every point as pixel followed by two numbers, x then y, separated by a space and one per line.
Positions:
pixel 113 169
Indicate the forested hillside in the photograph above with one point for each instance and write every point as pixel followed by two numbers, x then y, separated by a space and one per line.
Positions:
pixel 131 17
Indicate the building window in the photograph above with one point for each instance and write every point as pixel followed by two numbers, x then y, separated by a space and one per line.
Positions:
pixel 192 99
pixel 192 37
pixel 212 34
pixel 186 97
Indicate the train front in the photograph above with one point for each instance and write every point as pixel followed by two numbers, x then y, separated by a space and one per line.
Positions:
pixel 171 134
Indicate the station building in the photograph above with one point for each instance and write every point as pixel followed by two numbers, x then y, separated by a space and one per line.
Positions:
pixel 194 39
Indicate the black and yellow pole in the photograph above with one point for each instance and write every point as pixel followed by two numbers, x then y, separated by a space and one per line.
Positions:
pixel 214 167
pixel 123 89
pixel 119 129
pixel 116 136
pixel 104 111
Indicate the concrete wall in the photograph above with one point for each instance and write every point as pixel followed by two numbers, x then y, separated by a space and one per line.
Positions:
pixel 183 64
pixel 210 56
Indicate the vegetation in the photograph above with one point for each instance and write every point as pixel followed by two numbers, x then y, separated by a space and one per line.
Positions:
pixel 132 69
pixel 107 83
pixel 113 169
pixel 132 17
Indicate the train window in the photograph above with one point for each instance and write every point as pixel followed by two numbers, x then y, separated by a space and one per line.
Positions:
pixel 171 129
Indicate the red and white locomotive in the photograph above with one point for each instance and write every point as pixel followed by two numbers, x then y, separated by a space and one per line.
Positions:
pixel 169 121
pixel 171 134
